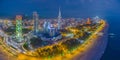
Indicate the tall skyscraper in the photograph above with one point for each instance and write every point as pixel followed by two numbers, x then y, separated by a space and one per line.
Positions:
pixel 59 19
pixel 19 36
pixel 36 20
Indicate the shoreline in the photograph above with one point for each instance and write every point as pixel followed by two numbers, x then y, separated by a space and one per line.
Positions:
pixel 96 48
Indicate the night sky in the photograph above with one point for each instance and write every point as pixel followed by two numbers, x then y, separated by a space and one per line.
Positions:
pixel 69 8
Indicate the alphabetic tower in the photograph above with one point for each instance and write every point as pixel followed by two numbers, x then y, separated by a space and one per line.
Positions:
pixel 19 36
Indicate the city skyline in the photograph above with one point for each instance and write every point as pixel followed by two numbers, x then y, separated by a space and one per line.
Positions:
pixel 59 29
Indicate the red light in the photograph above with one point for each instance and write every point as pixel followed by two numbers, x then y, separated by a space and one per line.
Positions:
pixel 18 17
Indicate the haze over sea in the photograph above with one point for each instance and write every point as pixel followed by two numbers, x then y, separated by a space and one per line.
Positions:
pixel 106 9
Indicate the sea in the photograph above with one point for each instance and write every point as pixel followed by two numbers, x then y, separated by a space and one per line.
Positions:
pixel 112 51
